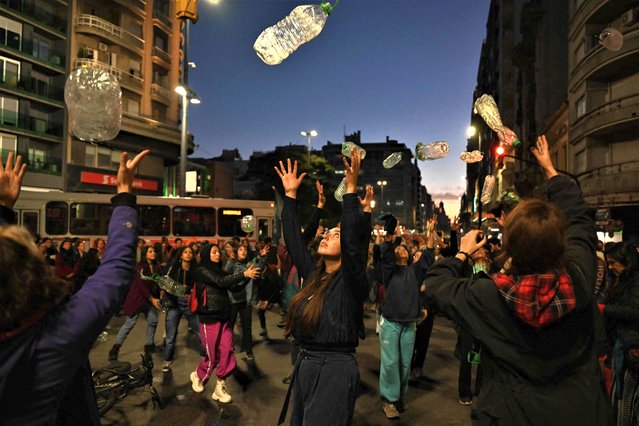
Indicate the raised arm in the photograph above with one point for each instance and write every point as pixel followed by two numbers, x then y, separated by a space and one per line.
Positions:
pixel 353 261
pixel 300 255
pixel 313 224
pixel 10 185
pixel 227 281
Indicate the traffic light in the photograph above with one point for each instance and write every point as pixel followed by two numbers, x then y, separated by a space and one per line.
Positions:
pixel 186 9
pixel 500 151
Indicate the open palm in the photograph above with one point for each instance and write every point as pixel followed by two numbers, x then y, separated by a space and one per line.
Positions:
pixel 290 181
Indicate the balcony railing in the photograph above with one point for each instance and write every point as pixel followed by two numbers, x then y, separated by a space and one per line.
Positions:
pixel 26 47
pixel 29 9
pixel 38 163
pixel 12 120
pixel 109 28
pixel 163 17
pixel 162 54
pixel 32 86
pixel 156 89
pixel 123 77
pixel 611 179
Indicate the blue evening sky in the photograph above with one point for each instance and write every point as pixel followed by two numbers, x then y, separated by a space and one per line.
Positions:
pixel 399 68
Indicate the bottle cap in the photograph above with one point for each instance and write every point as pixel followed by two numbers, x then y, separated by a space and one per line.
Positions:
pixel 327 7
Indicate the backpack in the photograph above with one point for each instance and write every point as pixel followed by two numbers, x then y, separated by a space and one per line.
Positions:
pixel 193 300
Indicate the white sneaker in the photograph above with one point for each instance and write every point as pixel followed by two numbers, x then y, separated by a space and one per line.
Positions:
pixel 221 394
pixel 196 383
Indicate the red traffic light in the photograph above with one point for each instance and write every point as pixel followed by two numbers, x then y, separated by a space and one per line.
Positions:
pixel 500 150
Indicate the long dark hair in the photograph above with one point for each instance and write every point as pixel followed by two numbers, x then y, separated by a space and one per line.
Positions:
pixel 625 254
pixel 312 298
pixel 534 238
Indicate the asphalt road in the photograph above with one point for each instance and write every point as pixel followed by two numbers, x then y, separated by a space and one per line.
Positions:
pixel 257 387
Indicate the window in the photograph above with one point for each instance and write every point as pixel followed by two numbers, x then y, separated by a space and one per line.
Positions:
pixel 9 111
pixel 262 228
pixel 10 71
pixel 581 106
pixel 198 221
pixel 90 218
pixel 229 219
pixel 159 112
pixel 41 48
pixel 57 216
pixel 101 157
pixel 39 121
pixel 40 83
pixel 30 221
pixel 133 106
pixel 153 220
pixel 134 68
pixel 10 33
pixel 8 143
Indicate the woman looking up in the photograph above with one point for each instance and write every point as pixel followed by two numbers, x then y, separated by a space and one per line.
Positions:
pixel 326 316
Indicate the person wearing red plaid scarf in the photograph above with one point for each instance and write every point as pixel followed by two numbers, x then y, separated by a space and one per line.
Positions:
pixel 537 322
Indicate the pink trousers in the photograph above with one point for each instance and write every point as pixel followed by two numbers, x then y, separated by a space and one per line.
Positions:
pixel 217 341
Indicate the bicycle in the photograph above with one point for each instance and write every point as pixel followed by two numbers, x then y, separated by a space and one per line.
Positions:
pixel 115 381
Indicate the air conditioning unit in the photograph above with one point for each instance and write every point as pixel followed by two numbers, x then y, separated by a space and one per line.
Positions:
pixel 103 47
pixel 629 18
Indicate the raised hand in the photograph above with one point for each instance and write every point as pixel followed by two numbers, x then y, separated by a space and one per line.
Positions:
pixel 542 154
pixel 321 198
pixel 351 171
pixel 290 181
pixel 11 180
pixel 264 250
pixel 366 201
pixel 469 244
pixel 252 272
pixel 126 172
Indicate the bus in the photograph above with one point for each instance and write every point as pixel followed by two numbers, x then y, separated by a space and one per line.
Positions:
pixel 59 215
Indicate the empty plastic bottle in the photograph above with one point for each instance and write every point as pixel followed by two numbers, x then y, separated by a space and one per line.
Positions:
pixel 432 151
pixel 392 160
pixel 340 191
pixel 94 102
pixel 102 337
pixel 487 189
pixel 486 107
pixel 248 223
pixel 303 24
pixel 472 156
pixel 347 146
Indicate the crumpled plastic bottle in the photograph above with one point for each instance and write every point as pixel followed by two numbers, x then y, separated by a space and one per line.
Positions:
pixel 487 189
pixel 392 160
pixel 432 151
pixel 248 223
pixel 347 146
pixel 472 156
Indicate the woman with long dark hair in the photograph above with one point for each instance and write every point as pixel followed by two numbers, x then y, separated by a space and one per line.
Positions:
pixel 87 267
pixel 45 332
pixel 621 316
pixel 182 270
pixel 143 298
pixel 66 261
pixel 326 316
pixel 214 313
pixel 537 320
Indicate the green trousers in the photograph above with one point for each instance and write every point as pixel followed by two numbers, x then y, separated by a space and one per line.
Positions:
pixel 396 341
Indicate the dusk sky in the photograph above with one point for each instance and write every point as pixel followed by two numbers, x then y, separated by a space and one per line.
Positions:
pixel 399 68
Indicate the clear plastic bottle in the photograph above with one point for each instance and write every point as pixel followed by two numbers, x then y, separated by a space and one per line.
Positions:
pixel 487 189
pixel 94 101
pixel 248 223
pixel 171 286
pixel 392 160
pixel 303 24
pixel 102 337
pixel 472 156
pixel 347 146
pixel 432 151
pixel 340 191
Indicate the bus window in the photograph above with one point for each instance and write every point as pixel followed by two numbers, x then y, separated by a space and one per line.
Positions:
pixel 262 228
pixel 56 218
pixel 154 220
pixel 90 218
pixel 30 221
pixel 229 221
pixel 194 221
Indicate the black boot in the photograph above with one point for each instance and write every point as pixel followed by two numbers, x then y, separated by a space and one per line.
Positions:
pixel 113 353
pixel 149 349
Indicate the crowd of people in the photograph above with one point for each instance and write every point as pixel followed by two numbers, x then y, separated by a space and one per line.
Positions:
pixel 549 315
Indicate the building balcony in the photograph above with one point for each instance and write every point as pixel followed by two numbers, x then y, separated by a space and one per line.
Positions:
pixel 601 63
pixel 27 11
pixel 162 54
pixel 136 6
pixel 611 185
pixel 127 80
pixel 163 18
pixel 33 89
pixel 162 94
pixel 24 49
pixel 616 112
pixel 30 126
pixel 94 25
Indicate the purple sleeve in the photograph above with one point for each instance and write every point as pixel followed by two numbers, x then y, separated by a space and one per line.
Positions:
pixel 79 322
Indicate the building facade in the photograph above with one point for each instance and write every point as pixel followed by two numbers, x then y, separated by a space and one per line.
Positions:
pixel 604 111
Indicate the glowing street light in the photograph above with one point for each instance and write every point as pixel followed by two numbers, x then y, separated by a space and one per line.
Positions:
pixel 309 134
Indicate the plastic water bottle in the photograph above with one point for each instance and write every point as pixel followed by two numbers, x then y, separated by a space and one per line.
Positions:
pixel 247 223
pixel 472 156
pixel 303 24
pixel 102 337
pixel 486 107
pixel 432 151
pixel 347 146
pixel 94 102
pixel 487 189
pixel 392 160
pixel 340 191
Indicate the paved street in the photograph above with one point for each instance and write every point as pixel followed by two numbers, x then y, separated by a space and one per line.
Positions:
pixel 257 387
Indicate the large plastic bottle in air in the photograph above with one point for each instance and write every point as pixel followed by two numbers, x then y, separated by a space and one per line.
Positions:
pixel 487 190
pixel 347 146
pixel 432 151
pixel 303 24
pixel 340 191
pixel 392 160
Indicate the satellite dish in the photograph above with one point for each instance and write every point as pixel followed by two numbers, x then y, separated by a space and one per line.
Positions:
pixel 611 39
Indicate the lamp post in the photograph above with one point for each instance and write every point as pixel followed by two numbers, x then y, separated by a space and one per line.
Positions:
pixel 382 183
pixel 309 134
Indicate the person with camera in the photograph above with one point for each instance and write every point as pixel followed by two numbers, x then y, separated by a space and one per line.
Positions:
pixel 46 333
pixel 537 321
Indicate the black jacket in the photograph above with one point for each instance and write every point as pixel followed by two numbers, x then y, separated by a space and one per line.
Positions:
pixel 547 376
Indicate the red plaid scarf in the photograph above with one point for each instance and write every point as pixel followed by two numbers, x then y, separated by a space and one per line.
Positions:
pixel 538 299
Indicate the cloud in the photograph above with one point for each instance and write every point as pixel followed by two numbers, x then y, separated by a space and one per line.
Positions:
pixel 446 196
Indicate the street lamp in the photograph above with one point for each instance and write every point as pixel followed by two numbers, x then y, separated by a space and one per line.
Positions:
pixel 188 96
pixel 382 183
pixel 309 134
